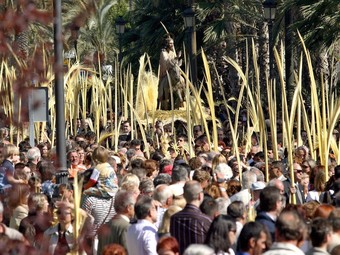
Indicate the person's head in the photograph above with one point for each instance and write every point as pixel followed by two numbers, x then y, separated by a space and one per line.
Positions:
pixel 167 246
pixel 193 192
pixel 146 187
pixel 209 207
pixel 237 211
pixel 297 172
pixel 169 43
pixel 320 233
pixel 300 154
pixel 278 184
pixel 223 204
pixel 197 131
pixel 73 157
pixel 11 152
pixel 323 211
pixel 100 155
pixel 151 167
pixel 64 214
pixel 253 238
pixel 126 128
pixel 222 233
pixel 130 178
pixel 320 181
pixel 66 192
pixel 276 169
pixel 248 177
pixel 179 173
pixel 271 200
pixel 145 209
pixel 22 171
pixel 162 178
pixel 290 227
pixel 198 249
pixel 136 144
pixel 203 177
pixel 114 249
pixel 163 194
pixel 33 155
pixel 124 203
pixel 37 202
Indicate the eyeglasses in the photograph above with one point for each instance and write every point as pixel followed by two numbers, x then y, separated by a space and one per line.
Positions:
pixel 233 230
pixel 298 171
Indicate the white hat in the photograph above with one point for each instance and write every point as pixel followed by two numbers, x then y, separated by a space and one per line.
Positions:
pixel 225 170
pixel 258 186
pixel 117 159
pixel 243 196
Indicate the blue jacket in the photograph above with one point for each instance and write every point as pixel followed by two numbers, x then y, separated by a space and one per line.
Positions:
pixel 264 219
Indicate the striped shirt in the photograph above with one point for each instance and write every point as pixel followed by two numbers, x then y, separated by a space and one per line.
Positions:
pixel 100 208
pixel 189 226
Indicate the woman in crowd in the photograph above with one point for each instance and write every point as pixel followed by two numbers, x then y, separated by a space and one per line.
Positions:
pixel 168 246
pixel 222 235
pixel 18 203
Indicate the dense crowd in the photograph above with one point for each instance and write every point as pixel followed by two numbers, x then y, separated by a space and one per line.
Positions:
pixel 168 203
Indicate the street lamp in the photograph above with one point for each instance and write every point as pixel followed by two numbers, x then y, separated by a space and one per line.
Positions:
pixel 120 29
pixel 269 7
pixel 62 174
pixel 189 21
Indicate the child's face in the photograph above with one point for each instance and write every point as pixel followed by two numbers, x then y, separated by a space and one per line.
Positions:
pixel 65 193
pixel 15 158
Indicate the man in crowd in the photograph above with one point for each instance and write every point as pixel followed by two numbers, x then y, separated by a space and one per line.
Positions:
pixel 270 207
pixel 290 233
pixel 252 239
pixel 142 236
pixel 190 225
pixel 115 230
pixel 320 236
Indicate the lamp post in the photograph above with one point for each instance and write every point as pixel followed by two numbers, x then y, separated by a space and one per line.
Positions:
pixel 269 7
pixel 120 29
pixel 62 175
pixel 189 21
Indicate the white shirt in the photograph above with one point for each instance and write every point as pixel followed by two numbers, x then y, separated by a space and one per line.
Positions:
pixel 142 238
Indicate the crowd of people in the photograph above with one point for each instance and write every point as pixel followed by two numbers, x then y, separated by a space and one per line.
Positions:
pixel 168 203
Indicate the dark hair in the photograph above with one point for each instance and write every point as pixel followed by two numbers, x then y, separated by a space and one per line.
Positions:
pixel 320 228
pixel 236 210
pixel 162 179
pixel 250 230
pixel 268 198
pixel 217 236
pixel 337 172
pixel 290 226
pixel 143 206
pixel 209 206
pixel 179 173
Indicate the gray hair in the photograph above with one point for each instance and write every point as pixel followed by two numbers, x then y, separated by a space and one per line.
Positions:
pixel 259 174
pixel 223 204
pixel 198 249
pixel 33 154
pixel 248 178
pixel 123 199
pixel 192 189
pixel 162 193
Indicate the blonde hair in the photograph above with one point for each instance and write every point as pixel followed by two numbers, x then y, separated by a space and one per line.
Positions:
pixel 165 225
pixel 100 155
pixel 219 158
pixel 10 150
pixel 130 178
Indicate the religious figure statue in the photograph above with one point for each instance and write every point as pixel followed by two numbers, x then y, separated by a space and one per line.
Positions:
pixel 169 64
